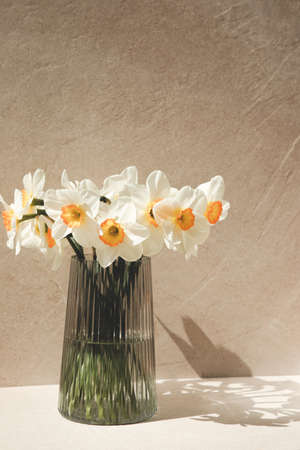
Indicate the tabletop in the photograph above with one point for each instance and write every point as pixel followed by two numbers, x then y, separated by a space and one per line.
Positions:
pixel 255 413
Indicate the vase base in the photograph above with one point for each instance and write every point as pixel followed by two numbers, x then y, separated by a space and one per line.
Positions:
pixel 124 421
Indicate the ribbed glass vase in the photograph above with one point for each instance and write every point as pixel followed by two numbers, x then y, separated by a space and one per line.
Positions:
pixel 108 361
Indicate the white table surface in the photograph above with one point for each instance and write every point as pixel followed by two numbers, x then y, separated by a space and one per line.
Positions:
pixel 257 413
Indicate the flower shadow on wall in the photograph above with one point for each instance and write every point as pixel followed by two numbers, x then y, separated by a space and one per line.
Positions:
pixel 207 359
pixel 258 401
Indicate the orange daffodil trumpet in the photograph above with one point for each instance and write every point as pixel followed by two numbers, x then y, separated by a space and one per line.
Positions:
pixel 121 218
pixel 216 208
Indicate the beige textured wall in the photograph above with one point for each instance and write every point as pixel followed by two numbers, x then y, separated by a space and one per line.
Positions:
pixel 195 88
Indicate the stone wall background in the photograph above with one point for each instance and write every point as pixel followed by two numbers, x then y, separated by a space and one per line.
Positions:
pixel 195 88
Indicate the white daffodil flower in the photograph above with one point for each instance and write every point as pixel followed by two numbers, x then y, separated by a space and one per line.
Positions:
pixel 114 185
pixel 38 234
pixel 11 216
pixel 182 220
pixel 84 185
pixel 73 212
pixel 122 218
pixel 145 197
pixel 216 208
pixel 119 234
pixel 33 187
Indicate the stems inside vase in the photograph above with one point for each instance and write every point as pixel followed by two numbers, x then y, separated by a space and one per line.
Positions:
pixel 108 364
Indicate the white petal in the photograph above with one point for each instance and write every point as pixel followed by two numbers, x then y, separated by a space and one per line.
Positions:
pixel 136 233
pixel 225 209
pixel 87 234
pixel 185 197
pixel 38 181
pixel 157 184
pixel 190 247
pixel 60 230
pixel 65 179
pixel 172 235
pixel 6 207
pixel 65 182
pixel 18 246
pixel 52 205
pixel 10 242
pixel 88 185
pixel 154 244
pixel 42 220
pixel 92 200
pixel 216 190
pixel 53 209
pixel 130 252
pixel 68 197
pixel 138 194
pixel 165 209
pixel 173 191
pixel 199 203
pixel 50 194
pixel 130 174
pixel 204 187
pixel 199 232
pixel 107 255
pixel 27 182
pixel 115 183
pixel 124 210
pixel 18 203
pixel 32 241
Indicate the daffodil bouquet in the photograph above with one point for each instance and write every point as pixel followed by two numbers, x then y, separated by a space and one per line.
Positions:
pixel 108 362
pixel 121 218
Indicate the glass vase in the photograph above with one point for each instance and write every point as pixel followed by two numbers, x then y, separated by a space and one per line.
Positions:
pixel 108 361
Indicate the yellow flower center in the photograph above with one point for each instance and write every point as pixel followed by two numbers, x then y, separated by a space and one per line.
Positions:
pixel 7 219
pixel 25 197
pixel 50 241
pixel 73 215
pixel 213 211
pixel 112 233
pixel 185 219
pixel 149 212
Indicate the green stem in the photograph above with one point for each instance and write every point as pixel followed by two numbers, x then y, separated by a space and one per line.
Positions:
pixel 42 212
pixel 37 202
pixel 105 199
pixel 75 246
pixel 27 217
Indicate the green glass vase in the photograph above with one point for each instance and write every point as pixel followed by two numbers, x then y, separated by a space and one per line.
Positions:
pixel 108 361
